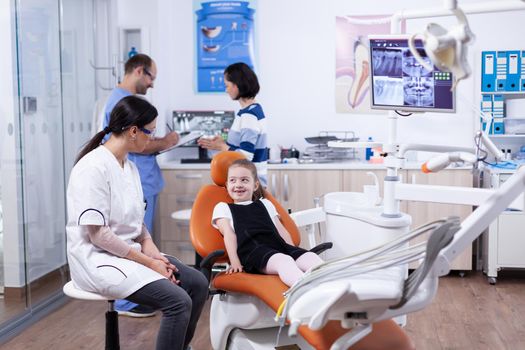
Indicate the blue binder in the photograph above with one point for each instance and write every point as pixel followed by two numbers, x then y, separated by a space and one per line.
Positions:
pixel 488 71
pixel 501 70
pixel 498 128
pixel 512 82
pixel 498 112
pixel 486 109
pixel 522 70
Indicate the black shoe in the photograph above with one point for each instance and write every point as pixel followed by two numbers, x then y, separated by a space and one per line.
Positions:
pixel 138 311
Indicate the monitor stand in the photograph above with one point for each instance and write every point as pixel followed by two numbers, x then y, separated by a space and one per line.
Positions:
pixel 203 157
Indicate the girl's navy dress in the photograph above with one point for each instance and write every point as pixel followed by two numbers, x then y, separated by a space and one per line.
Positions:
pixel 257 237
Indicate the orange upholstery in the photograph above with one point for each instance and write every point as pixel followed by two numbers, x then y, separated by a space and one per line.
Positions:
pixel 268 288
pixel 220 164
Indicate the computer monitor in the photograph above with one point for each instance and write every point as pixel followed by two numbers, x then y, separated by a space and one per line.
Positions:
pixel 210 122
pixel 399 82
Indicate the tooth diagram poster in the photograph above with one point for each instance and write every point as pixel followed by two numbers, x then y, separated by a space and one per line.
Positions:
pixel 224 35
pixel 352 65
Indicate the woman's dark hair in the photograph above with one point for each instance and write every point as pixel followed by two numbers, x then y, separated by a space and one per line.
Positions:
pixel 244 77
pixel 245 163
pixel 129 111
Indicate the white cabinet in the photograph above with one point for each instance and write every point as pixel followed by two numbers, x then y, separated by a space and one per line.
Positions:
pixel 179 193
pixel 504 241
pixel 296 189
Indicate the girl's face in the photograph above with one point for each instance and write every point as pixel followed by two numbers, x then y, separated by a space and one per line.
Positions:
pixel 231 89
pixel 241 184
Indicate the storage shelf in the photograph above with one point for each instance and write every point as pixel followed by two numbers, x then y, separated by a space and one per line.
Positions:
pixel 506 136
pixel 517 93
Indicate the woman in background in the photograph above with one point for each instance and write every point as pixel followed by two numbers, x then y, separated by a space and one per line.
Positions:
pixel 248 131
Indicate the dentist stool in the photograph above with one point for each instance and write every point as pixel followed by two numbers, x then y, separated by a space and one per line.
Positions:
pixel 112 336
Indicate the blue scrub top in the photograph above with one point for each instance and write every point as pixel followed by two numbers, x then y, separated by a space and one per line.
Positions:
pixel 149 170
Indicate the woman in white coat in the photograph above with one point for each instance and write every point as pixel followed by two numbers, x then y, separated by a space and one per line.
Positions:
pixel 110 251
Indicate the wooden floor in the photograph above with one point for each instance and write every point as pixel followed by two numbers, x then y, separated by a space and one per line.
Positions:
pixel 467 313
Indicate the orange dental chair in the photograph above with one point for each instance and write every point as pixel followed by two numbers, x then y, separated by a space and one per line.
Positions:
pixel 244 305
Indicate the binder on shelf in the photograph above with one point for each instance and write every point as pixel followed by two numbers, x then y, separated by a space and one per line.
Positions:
pixel 501 70
pixel 486 110
pixel 512 81
pixel 498 113
pixel 522 70
pixel 488 71
pixel 498 106
pixel 498 127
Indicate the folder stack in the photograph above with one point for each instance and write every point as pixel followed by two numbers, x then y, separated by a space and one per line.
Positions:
pixel 502 74
pixel 523 70
pixel 498 112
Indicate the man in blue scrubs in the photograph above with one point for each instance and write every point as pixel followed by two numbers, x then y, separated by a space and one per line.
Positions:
pixel 140 72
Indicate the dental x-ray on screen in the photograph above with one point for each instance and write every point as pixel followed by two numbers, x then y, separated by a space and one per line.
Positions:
pixel 399 82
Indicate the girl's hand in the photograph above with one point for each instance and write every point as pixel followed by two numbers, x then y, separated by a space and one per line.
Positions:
pixel 234 267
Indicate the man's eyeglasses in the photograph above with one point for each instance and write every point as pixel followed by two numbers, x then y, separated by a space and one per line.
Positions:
pixel 150 133
pixel 148 73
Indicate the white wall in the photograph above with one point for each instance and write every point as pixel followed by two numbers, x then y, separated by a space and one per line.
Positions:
pixel 296 63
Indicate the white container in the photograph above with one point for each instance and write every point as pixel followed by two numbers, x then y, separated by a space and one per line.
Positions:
pixel 514 126
pixel 353 226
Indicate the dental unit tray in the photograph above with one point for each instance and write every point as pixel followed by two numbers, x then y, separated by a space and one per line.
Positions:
pixel 327 136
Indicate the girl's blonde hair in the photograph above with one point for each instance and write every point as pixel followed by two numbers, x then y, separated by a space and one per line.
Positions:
pixel 245 163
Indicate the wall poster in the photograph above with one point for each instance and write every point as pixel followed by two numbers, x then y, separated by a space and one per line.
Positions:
pixel 352 67
pixel 224 35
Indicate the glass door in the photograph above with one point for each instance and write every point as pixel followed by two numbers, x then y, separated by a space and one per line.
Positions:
pixel 46 106
pixel 42 147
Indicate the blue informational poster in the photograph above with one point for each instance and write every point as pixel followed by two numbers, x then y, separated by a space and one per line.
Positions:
pixel 224 36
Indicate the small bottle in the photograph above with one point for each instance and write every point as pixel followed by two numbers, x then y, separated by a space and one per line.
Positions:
pixel 132 52
pixel 509 155
pixel 368 152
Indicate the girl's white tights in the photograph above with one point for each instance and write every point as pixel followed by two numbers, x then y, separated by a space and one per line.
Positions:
pixel 290 270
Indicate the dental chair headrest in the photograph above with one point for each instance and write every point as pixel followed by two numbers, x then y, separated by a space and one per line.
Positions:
pixel 220 164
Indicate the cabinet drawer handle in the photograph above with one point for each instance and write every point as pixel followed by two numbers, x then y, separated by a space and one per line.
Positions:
pixel 186 247
pixel 188 176
pixel 181 200
pixel 274 185
pixel 182 223
pixel 286 188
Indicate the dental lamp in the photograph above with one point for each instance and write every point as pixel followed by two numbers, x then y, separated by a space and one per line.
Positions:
pixel 446 48
pixel 440 162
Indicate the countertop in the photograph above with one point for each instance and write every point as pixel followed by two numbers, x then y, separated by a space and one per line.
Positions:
pixel 357 165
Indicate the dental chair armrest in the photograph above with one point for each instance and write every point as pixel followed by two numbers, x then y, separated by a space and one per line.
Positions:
pixel 208 262
pixel 308 216
pixel 318 249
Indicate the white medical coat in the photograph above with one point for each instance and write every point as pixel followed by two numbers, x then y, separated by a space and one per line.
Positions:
pixel 101 192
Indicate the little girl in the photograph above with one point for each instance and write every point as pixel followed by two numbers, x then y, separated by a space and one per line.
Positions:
pixel 255 239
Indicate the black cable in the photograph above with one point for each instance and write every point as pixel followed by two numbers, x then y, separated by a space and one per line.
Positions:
pixel 402 114
pixel 477 140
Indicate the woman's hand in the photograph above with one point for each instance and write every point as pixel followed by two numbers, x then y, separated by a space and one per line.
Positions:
pixel 215 143
pixel 165 268
pixel 150 249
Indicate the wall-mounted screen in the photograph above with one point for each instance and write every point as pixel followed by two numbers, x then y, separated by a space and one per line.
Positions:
pixel 400 82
